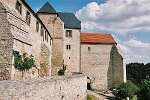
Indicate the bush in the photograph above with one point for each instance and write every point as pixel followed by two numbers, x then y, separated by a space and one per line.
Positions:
pixel 61 72
pixel 128 89
pixel 144 93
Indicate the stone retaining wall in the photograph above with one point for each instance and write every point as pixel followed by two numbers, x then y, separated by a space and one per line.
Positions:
pixel 48 88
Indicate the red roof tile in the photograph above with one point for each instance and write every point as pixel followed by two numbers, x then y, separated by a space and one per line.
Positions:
pixel 97 38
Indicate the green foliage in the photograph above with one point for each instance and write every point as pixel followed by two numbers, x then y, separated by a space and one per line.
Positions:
pixel 128 89
pixel 136 72
pixel 62 71
pixel 22 62
pixel 144 93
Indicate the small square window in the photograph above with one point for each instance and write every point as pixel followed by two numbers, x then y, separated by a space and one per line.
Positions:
pixel 68 47
pixel 19 7
pixel 89 48
pixel 28 18
pixel 68 33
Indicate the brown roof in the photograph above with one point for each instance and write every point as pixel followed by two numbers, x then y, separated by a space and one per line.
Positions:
pixel 97 38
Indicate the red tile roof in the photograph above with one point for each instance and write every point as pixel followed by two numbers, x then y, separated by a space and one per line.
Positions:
pixel 97 38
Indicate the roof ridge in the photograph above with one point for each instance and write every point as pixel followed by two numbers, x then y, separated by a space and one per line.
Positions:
pixel 93 33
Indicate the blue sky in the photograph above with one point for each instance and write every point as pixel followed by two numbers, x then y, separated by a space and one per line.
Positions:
pixel 127 20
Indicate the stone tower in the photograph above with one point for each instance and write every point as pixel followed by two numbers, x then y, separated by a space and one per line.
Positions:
pixel 65 30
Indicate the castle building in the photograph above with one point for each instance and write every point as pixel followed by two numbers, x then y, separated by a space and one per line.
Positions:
pixel 22 30
pixel 101 60
pixel 55 39
pixel 65 29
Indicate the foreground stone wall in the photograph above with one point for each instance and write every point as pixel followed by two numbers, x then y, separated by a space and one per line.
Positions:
pixel 48 88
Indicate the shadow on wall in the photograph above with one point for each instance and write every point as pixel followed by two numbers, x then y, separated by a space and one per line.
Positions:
pixel 110 73
pixel 115 70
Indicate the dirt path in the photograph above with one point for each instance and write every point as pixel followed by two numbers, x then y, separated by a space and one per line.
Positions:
pixel 106 96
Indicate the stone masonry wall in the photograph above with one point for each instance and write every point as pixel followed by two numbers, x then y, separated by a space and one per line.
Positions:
pixel 6 44
pixel 72 56
pixel 16 34
pixel 48 88
pixel 56 27
pixel 117 66
pixel 103 65
pixel 96 63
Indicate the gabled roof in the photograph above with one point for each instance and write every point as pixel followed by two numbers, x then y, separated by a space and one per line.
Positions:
pixel 97 38
pixel 47 8
pixel 70 20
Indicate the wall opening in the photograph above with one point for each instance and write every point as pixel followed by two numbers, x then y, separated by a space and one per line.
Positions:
pixel 88 83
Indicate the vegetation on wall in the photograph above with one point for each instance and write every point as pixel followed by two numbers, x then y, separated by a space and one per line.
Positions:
pixel 23 62
pixel 62 70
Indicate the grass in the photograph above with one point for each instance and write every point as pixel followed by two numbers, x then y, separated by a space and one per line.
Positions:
pixel 90 97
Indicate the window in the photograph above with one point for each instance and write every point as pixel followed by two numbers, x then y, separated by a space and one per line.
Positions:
pixel 89 48
pixel 68 33
pixel 37 26
pixel 68 47
pixel 28 18
pixel 46 36
pixel 41 31
pixel 19 7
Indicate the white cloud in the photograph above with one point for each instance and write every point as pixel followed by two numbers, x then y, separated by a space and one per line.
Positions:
pixel 137 44
pixel 132 56
pixel 36 9
pixel 121 16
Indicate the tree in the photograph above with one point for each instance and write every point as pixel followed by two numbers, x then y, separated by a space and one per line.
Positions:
pixel 144 93
pixel 136 72
pixel 128 89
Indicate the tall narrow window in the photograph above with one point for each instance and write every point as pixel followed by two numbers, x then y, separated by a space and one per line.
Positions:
pixel 37 26
pixel 19 7
pixel 28 18
pixel 45 35
pixel 41 31
pixel 68 47
pixel 68 33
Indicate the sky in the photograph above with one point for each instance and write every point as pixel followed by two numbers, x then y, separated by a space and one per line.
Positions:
pixel 127 20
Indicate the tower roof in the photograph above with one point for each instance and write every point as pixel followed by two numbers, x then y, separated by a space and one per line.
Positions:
pixel 70 20
pixel 47 8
